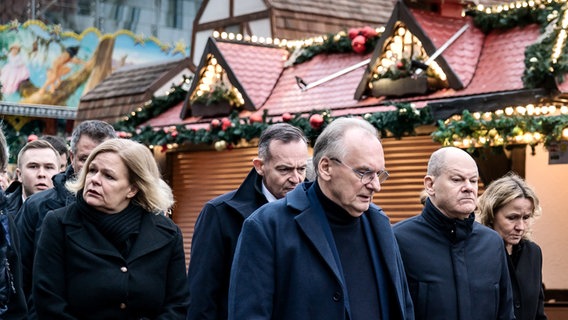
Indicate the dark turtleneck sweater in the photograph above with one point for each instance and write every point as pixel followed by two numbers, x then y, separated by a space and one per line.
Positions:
pixel 353 249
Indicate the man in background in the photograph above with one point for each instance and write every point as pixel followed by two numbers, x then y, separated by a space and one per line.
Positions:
pixel 61 146
pixel 37 163
pixel 279 168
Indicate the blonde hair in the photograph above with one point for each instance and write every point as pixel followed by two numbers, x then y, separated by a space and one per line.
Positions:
pixel 501 192
pixel 154 195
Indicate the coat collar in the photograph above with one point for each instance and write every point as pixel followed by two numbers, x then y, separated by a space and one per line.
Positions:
pixel 312 221
pixel 155 230
pixel 248 197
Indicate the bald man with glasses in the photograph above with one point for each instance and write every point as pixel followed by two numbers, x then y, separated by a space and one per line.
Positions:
pixel 325 251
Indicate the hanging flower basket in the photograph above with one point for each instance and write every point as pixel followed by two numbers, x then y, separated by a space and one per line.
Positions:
pixel 221 108
pixel 400 87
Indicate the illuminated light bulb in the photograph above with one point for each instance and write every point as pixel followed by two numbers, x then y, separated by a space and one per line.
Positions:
pixel 530 109
pixel 231 36
pixel 482 140
pixel 564 109
pixel 269 40
pixel 487 115
pixel 565 133
pixel 552 109
pixel 223 35
pixel 261 39
pixel 277 41
pixel 509 111
pixel 480 7
pixel 139 109
pixel 401 31
pixel 213 61
pixel 215 34
pixel 151 146
pixel 521 110
pixel 133 113
pixel 528 137
pixel 477 115
pixel 537 136
pixel 239 37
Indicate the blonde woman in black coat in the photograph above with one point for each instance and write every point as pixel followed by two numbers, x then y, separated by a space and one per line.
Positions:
pixel 113 254
pixel 509 205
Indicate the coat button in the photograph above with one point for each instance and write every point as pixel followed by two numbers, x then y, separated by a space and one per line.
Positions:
pixel 337 296
pixel 123 269
pixel 123 306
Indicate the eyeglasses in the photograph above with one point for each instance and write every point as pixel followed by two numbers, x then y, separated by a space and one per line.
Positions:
pixel 366 176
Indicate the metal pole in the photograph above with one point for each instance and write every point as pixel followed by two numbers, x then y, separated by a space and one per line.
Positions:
pixel 339 73
pixel 443 47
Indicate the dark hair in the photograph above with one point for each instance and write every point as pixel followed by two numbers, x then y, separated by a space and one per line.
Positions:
pixel 281 132
pixel 97 130
pixel 57 142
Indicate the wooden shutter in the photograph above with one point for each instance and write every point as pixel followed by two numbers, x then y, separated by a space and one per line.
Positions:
pixel 198 177
pixel 406 160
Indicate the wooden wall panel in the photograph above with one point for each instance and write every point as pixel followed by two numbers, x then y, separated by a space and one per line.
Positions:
pixel 198 177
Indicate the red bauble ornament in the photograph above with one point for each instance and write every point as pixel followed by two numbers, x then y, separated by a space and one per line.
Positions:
pixel 255 118
pixel 316 120
pixel 215 123
pixel 368 32
pixel 400 65
pixel 358 44
pixel 353 32
pixel 286 117
pixel 225 123
pixel 32 137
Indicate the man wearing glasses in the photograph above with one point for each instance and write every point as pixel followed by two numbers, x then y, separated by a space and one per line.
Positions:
pixel 325 251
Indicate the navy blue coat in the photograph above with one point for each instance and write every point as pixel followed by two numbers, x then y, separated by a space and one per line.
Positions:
pixel 456 269
pixel 526 278
pixel 284 266
pixel 79 274
pixel 213 245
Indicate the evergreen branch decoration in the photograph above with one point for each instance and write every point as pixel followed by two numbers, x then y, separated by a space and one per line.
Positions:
pixel 500 131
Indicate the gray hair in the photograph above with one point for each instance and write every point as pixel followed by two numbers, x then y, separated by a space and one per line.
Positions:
pixel 330 142
pixel 96 130
pixel 280 132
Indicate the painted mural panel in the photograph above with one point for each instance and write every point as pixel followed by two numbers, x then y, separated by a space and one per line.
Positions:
pixel 45 65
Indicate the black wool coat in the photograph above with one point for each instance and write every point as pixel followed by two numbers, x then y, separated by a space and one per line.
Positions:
pixel 213 245
pixel 526 280
pixel 79 274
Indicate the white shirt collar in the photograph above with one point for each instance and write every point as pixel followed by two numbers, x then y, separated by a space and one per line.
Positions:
pixel 269 196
